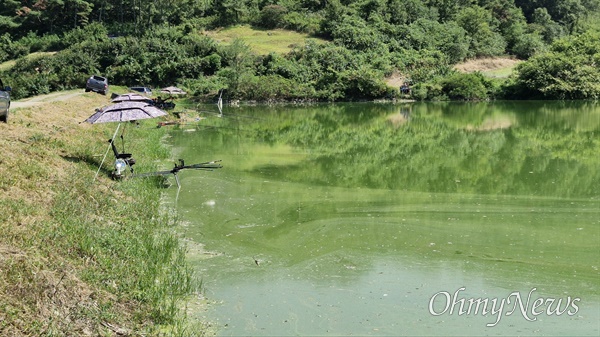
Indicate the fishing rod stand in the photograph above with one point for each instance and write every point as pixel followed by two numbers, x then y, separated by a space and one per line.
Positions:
pixel 209 166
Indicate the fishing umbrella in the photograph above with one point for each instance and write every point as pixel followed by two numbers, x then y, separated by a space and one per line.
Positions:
pixel 172 91
pixel 130 97
pixel 123 112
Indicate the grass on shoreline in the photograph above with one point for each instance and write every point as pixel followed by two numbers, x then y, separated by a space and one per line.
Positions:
pixel 82 257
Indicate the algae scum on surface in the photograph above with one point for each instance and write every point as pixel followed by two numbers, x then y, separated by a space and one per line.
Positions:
pixel 332 220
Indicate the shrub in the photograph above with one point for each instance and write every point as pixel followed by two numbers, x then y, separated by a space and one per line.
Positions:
pixel 199 45
pixel 309 23
pixel 354 33
pixel 485 39
pixel 203 85
pixel 271 16
pixel 422 65
pixel 528 45
pixel 266 88
pixel 10 50
pixel 40 43
pixel 568 71
pixel 364 83
pixel 447 38
pixel 428 91
pixel 472 86
pixel 91 32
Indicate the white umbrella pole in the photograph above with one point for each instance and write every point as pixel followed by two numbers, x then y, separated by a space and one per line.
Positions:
pixel 220 104
pixel 106 153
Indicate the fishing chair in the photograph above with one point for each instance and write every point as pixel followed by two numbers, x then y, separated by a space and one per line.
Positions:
pixel 125 157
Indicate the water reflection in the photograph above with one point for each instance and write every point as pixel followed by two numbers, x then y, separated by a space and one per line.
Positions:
pixel 346 219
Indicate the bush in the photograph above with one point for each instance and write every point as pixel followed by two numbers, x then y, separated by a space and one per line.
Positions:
pixel 447 38
pixel 468 87
pixel 568 71
pixel 203 85
pixel 271 88
pixel 199 45
pixel 271 16
pixel 92 32
pixel 422 65
pixel 528 45
pixel 40 43
pixel 364 83
pixel 309 23
pixel 428 91
pixel 355 34
pixel 485 39
pixel 10 50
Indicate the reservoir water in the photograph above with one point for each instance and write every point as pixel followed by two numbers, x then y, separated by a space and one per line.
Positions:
pixel 370 219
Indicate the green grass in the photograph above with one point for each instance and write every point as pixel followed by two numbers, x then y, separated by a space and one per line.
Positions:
pixel 499 73
pixel 263 41
pixel 81 256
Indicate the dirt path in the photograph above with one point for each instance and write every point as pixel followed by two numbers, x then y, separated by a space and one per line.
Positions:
pixel 53 97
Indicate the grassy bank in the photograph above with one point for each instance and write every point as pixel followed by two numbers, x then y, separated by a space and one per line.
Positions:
pixel 80 257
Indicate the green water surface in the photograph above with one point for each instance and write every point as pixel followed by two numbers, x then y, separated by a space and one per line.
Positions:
pixel 347 219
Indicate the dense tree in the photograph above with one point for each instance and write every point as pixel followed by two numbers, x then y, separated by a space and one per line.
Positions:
pixel 405 12
pixel 447 9
pixel 8 20
pixel 568 71
pixel 448 38
pixel 354 33
pixel 421 39
pixel 271 16
pixel 485 40
pixel 238 61
pixel 565 12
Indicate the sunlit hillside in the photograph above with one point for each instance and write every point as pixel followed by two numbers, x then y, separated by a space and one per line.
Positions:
pixel 492 67
pixel 262 41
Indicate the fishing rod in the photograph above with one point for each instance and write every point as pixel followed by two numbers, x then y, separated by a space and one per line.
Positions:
pixel 208 166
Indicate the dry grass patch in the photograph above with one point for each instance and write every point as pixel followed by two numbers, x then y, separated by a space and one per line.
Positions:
pixel 494 67
pixel 396 79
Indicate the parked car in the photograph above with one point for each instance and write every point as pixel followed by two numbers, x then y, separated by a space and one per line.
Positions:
pixel 142 90
pixel 4 102
pixel 97 84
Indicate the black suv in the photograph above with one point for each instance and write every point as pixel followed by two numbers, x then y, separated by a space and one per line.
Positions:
pixel 4 101
pixel 97 84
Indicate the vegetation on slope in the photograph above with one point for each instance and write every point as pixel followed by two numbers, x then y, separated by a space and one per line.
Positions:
pixel 81 257
pixel 165 42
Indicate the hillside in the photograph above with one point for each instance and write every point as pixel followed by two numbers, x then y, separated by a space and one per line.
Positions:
pixel 264 52
pixel 78 255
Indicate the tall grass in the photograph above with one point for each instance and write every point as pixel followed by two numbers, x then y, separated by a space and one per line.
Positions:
pixel 80 256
